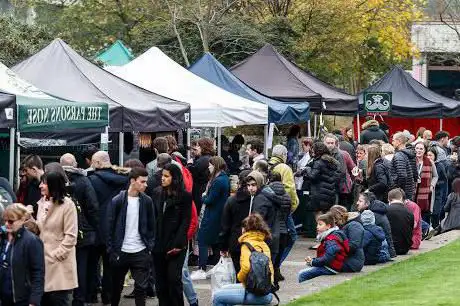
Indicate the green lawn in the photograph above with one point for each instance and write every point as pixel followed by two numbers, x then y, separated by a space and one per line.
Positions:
pixel 430 279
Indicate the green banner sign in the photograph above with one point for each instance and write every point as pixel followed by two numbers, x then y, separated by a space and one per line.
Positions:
pixel 378 103
pixel 47 115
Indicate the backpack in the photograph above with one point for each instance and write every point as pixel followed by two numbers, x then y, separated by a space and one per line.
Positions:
pixel 259 279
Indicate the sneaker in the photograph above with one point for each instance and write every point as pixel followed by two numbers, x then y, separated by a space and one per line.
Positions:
pixel 129 295
pixel 198 275
pixel 433 232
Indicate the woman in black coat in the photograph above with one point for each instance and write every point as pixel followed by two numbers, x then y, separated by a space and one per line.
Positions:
pixel 173 209
pixel 322 173
pixel 202 152
pixel 22 261
pixel 378 173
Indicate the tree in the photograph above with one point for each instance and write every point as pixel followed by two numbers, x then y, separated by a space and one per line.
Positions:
pixel 20 40
pixel 449 14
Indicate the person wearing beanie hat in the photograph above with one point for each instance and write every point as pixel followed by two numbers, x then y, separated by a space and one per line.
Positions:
pixel 374 240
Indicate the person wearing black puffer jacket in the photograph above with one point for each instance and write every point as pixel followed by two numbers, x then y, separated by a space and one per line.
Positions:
pixel 378 173
pixel 372 131
pixel 367 200
pixel 235 211
pixel 404 168
pixel 323 175
pixel 281 201
pixel 85 198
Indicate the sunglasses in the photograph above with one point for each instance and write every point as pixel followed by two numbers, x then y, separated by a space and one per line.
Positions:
pixel 10 221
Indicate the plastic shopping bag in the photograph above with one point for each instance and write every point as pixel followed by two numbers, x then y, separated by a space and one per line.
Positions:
pixel 223 273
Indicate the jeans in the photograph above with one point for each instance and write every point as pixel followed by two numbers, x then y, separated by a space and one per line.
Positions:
pixel 139 265
pixel 235 294
pixel 56 298
pixel 293 234
pixel 425 227
pixel 313 272
pixel 189 291
pixel 80 293
pixel 168 278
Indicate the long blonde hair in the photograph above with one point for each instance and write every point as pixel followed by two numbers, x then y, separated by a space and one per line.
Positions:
pixel 374 152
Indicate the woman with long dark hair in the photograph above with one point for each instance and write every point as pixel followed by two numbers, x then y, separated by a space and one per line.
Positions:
pixel 173 209
pixel 214 199
pixel 58 223
pixel 427 178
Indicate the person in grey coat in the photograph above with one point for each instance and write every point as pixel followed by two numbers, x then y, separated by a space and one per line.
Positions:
pixel 452 208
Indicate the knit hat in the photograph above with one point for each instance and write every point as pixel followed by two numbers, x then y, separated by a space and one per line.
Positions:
pixel 367 217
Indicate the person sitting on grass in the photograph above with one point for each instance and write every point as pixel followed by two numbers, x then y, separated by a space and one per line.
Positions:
pixel 331 253
pixel 375 246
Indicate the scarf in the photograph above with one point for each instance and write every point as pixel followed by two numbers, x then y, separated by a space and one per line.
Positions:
pixel 320 237
pixel 424 184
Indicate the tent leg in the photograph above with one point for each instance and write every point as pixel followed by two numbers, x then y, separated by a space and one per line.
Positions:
pixel 309 128
pixel 18 157
pixel 219 141
pixel 189 142
pixel 315 124
pixel 266 127
pixel 121 145
pixel 12 156
pixel 440 124
pixel 358 126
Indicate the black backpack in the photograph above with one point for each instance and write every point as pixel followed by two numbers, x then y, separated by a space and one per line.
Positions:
pixel 259 279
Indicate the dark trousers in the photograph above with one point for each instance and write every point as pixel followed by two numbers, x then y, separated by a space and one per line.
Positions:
pixel 139 265
pixel 169 278
pixel 56 298
pixel 93 278
pixel 346 199
pixel 80 294
pixel 9 302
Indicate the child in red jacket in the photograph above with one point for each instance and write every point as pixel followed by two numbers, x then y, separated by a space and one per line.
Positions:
pixel 331 253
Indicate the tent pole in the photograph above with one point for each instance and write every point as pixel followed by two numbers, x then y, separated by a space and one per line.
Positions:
pixel 12 155
pixel 440 124
pixel 309 128
pixel 266 140
pixel 189 142
pixel 121 145
pixel 219 141
pixel 358 126
pixel 314 126
pixel 18 157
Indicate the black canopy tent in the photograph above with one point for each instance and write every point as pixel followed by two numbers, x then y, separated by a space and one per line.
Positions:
pixel 60 71
pixel 411 100
pixel 270 73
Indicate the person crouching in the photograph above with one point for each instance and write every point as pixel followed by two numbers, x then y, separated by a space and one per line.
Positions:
pixel 331 253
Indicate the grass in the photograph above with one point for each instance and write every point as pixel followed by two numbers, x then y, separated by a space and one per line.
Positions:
pixel 430 279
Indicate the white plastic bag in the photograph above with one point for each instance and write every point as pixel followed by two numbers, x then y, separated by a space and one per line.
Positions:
pixel 223 273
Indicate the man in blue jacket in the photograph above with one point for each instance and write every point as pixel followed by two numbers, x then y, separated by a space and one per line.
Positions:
pixel 130 236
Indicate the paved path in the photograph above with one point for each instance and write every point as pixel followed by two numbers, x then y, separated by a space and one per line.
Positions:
pixel 291 290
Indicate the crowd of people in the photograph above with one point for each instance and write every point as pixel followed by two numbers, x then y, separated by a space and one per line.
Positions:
pixel 70 233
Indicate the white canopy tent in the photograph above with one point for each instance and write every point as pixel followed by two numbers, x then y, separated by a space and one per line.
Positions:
pixel 211 106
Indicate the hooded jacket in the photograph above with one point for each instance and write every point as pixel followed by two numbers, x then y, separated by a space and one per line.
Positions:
pixel 278 165
pixel 107 182
pixel 332 251
pixel 354 231
pixel 380 180
pixel 379 209
pixel 372 131
pixel 373 239
pixel 85 198
pixel 322 173
pixel 235 211
pixel 260 203
pixel 404 171
pixel 281 201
